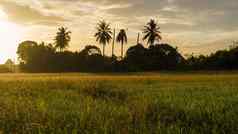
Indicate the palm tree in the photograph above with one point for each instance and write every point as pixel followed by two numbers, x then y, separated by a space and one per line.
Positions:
pixel 104 34
pixel 122 38
pixel 113 41
pixel 62 38
pixel 152 33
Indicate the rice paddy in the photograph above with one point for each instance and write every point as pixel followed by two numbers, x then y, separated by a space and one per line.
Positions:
pixel 136 103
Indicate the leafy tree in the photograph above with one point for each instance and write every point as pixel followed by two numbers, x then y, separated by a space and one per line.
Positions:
pixel 104 34
pixel 24 50
pixel 136 57
pixel 9 62
pixel 152 33
pixel 122 38
pixel 10 65
pixel 62 38
pixel 90 50
pixel 35 57
pixel 163 56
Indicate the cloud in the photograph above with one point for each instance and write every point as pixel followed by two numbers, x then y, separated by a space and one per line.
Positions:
pixel 177 15
pixel 202 15
pixel 190 20
pixel 24 14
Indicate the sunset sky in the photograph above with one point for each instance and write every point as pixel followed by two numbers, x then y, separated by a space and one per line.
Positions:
pixel 199 26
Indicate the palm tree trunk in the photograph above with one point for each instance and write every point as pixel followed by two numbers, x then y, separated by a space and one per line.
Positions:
pixel 122 50
pixel 138 38
pixel 113 41
pixel 152 43
pixel 103 50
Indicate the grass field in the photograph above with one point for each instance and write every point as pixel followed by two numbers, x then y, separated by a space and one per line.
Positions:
pixel 142 103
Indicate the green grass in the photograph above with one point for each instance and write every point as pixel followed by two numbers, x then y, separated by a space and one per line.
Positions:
pixel 141 103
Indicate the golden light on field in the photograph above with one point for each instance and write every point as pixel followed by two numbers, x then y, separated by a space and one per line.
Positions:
pixel 10 36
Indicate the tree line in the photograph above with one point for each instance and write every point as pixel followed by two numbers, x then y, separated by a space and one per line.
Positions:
pixel 53 57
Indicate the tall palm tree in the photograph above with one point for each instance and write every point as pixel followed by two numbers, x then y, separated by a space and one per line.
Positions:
pixel 122 38
pixel 113 41
pixel 152 32
pixel 62 38
pixel 104 34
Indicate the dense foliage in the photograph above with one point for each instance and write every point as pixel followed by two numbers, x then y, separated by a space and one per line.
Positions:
pixel 44 57
pixel 221 60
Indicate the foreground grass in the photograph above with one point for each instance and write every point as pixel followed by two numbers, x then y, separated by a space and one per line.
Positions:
pixel 135 103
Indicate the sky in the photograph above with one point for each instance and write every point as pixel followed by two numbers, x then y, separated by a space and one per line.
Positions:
pixel 194 26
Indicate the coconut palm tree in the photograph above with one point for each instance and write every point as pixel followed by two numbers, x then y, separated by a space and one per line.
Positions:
pixel 104 34
pixel 113 42
pixel 122 38
pixel 62 38
pixel 152 33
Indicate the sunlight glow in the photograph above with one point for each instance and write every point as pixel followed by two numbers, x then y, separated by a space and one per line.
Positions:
pixel 10 35
pixel 2 15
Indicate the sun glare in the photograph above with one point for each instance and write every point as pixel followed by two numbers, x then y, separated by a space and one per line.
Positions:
pixel 10 35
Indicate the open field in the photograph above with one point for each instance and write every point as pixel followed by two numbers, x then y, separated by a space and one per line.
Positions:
pixel 141 103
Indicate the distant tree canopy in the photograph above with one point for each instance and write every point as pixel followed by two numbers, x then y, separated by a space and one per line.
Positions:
pixel 136 57
pixel 24 50
pixel 33 56
pixel 8 67
pixel 43 57
pixel 220 60
pixel 9 62
pixel 91 50
pixel 156 57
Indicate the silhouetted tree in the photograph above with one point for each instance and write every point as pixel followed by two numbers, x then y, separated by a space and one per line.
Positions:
pixel 24 50
pixel 104 34
pixel 152 33
pixel 9 62
pixel 156 57
pixel 163 56
pixel 62 38
pixel 10 65
pixel 136 58
pixel 43 57
pixel 138 38
pixel 91 50
pixel 34 57
pixel 113 42
pixel 122 38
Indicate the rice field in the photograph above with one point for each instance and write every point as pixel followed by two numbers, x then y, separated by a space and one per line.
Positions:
pixel 136 103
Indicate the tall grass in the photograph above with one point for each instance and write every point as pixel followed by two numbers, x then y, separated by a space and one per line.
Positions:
pixel 123 104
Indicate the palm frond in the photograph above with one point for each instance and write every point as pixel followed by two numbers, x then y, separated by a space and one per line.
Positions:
pixel 152 32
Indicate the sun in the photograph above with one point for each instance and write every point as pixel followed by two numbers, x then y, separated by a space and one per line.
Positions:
pixel 10 35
